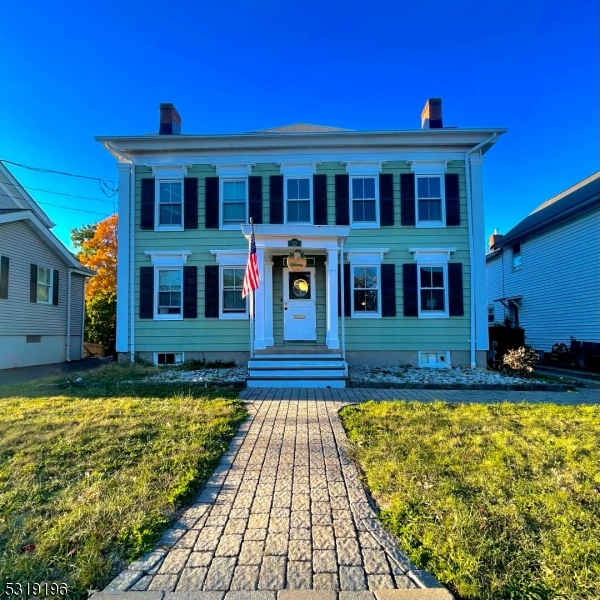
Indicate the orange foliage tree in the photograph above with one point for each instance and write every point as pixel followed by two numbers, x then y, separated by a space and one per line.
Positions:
pixel 99 253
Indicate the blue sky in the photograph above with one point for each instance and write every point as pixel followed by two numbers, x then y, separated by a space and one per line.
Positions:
pixel 72 71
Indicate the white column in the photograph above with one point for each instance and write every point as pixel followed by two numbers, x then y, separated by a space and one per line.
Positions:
pixel 269 340
pixel 123 299
pixel 259 299
pixel 478 260
pixel 332 340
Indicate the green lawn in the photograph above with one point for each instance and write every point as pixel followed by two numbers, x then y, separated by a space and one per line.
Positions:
pixel 91 473
pixel 498 501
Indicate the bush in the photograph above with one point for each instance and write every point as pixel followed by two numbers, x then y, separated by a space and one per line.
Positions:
pixel 521 361
pixel 507 337
pixel 101 318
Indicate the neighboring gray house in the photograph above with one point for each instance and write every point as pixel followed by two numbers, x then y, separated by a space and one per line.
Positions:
pixel 544 273
pixel 41 285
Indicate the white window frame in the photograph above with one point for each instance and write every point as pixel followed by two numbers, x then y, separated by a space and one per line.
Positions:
pixel 442 359
pixel 231 226
pixel 365 224
pixel 491 313
pixel 158 226
pixel 310 199
pixel 157 316
pixel 366 257
pixel 513 255
pixel 237 316
pixel 181 360
pixel 424 224
pixel 50 286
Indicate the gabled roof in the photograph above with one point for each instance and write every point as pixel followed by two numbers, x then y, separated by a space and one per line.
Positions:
pixel 11 188
pixel 578 198
pixel 300 128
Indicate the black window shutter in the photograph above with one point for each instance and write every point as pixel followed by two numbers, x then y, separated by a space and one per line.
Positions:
pixel 211 291
pixel 347 292
pixel 148 193
pixel 455 290
pixel 255 199
pixel 276 199
pixel 55 287
pixel 409 290
pixel 342 200
pixel 33 283
pixel 320 199
pixel 146 292
pixel 386 199
pixel 4 263
pixel 452 199
pixel 190 292
pixel 407 198
pixel 211 200
pixel 190 203
pixel 388 290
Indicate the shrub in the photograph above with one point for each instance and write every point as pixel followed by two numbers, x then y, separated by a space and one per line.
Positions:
pixel 507 337
pixel 521 361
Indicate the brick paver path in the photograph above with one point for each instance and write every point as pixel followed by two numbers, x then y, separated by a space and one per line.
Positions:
pixel 284 510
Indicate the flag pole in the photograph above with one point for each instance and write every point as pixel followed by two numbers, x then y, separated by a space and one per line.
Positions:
pixel 251 311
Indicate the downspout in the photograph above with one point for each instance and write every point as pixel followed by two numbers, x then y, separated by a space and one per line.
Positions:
pixel 472 242
pixel 83 319
pixel 69 315
pixel 342 300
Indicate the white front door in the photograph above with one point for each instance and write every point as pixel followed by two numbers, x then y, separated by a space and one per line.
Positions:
pixel 299 305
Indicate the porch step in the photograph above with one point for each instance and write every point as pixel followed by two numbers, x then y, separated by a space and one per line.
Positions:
pixel 306 356
pixel 296 364
pixel 296 383
pixel 295 373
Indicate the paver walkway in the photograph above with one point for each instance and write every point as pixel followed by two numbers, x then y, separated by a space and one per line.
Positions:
pixel 284 510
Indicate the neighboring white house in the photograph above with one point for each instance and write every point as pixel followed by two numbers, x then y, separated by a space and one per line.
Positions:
pixel 41 285
pixel 544 273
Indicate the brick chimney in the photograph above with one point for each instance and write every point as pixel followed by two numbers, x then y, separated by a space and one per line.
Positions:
pixel 494 239
pixel 170 121
pixel 431 117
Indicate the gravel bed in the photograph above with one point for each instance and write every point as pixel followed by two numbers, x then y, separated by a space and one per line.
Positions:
pixel 228 375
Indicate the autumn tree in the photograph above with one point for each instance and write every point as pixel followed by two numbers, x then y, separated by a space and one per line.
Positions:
pixel 96 249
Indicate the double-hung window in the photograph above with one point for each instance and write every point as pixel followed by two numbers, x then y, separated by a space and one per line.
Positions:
pixel 430 201
pixel 233 306
pixel 364 200
pixel 169 293
pixel 516 256
pixel 298 200
pixel 170 205
pixel 433 291
pixel 365 291
pixel 44 285
pixel 234 203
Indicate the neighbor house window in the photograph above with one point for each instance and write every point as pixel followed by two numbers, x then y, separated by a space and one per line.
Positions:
pixel 491 314
pixel 365 295
pixel 170 205
pixel 364 200
pixel 516 256
pixel 168 358
pixel 432 291
pixel 233 306
pixel 234 202
pixel 168 305
pixel 298 200
pixel 430 206
pixel 44 285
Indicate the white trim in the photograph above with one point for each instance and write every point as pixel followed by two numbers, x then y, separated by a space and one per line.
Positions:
pixel 431 255
pixel 313 237
pixel 364 224
pixel 295 170
pixel 366 256
pixel 232 226
pixel 181 354
pixel 287 178
pixel 50 286
pixel 230 257
pixel 430 224
pixel 439 364
pixel 168 258
pixel 234 171
pixel 237 316
pixel 437 314
pixel 428 167
pixel 358 314
pixel 157 225
pixel 169 171
pixel 363 168
pixel 157 316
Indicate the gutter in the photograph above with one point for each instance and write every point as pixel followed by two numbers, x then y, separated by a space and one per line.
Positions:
pixel 473 339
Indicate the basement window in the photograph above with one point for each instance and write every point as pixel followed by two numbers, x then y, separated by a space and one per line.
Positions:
pixel 434 360
pixel 168 358
pixel 33 339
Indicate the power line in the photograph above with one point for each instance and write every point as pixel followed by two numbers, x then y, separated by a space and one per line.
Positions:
pixel 58 206
pixel 27 187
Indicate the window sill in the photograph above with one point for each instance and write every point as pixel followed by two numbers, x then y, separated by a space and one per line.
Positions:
pixel 234 316
pixel 433 315
pixel 430 224
pixel 169 228
pixel 366 315
pixel 168 317
pixel 236 227
pixel 298 223
pixel 364 225
pixel 44 303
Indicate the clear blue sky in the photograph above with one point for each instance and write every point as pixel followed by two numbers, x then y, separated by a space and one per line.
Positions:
pixel 72 70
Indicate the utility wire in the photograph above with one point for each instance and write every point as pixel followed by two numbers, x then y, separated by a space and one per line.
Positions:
pixel 58 206
pixel 27 187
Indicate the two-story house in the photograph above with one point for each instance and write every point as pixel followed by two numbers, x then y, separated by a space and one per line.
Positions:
pixel 41 285
pixel 384 228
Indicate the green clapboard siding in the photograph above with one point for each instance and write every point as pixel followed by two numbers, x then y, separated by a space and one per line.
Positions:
pixel 397 333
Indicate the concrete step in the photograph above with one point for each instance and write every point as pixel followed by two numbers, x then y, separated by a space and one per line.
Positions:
pixel 298 356
pixel 297 373
pixel 296 364
pixel 296 383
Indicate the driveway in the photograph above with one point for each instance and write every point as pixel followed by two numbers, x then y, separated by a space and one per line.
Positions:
pixel 22 374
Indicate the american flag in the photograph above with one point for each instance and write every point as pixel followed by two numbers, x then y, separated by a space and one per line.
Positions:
pixel 251 277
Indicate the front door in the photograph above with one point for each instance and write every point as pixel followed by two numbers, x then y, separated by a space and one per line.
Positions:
pixel 299 305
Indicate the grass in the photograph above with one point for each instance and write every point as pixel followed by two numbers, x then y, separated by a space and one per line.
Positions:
pixel 92 472
pixel 498 501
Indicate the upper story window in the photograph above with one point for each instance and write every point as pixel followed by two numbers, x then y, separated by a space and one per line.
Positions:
pixel 364 200
pixel 44 285
pixel 169 292
pixel 234 205
pixel 298 200
pixel 170 205
pixel 430 205
pixel 516 257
